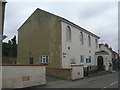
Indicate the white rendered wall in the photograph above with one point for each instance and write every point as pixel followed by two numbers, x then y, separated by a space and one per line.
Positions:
pixel 1 17
pixel 0 61
pixel 14 76
pixel 76 48
pixel 105 60
pixel 109 57
pixel 0 77
pixel 0 44
pixel 77 72
pixel 102 47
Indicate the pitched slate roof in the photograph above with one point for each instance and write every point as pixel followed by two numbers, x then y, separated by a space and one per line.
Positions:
pixel 67 21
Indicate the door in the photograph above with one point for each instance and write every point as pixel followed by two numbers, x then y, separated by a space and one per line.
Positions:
pixel 100 63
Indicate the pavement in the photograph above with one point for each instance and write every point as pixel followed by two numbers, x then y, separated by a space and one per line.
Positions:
pixel 51 80
pixel 100 80
pixel 99 73
pixel 54 82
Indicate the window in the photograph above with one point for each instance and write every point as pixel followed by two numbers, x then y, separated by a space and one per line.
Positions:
pixel 81 59
pixel 68 34
pixel 96 43
pixel 31 60
pixel 89 40
pixel 81 37
pixel 44 59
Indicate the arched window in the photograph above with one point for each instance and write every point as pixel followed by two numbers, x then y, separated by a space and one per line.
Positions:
pixel 89 41
pixel 96 43
pixel 81 37
pixel 68 34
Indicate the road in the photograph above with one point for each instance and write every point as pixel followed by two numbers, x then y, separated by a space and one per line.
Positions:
pixel 102 82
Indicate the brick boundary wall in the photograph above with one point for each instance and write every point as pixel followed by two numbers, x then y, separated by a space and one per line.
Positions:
pixel 59 72
pixel 63 73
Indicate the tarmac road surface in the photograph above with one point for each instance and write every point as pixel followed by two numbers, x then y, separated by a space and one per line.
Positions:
pixel 104 81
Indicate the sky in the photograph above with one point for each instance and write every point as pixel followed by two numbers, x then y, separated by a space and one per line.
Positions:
pixel 98 17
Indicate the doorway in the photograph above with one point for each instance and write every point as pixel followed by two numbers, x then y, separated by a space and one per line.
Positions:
pixel 100 63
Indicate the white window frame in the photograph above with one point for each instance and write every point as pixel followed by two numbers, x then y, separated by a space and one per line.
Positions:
pixel 43 59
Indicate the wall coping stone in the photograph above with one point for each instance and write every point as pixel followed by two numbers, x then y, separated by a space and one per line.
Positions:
pixel 23 64
pixel 76 65
pixel 60 68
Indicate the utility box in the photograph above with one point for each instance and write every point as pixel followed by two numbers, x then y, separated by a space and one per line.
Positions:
pixel 21 76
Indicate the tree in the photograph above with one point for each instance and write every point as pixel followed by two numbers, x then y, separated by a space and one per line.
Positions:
pixel 10 49
pixel 14 46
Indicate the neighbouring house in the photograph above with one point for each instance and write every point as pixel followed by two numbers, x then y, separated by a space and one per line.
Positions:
pixel 104 57
pixel 115 61
pixel 114 55
pixel 45 38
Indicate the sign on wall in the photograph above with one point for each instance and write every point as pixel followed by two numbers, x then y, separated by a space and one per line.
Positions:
pixel 88 60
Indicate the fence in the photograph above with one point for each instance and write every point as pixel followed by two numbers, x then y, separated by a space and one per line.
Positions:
pixel 91 69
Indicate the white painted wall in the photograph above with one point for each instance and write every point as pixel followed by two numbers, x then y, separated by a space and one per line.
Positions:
pixel 107 58
pixel 0 44
pixel 102 47
pixel 1 15
pixel 0 77
pixel 76 48
pixel 0 61
pixel 13 76
pixel 77 72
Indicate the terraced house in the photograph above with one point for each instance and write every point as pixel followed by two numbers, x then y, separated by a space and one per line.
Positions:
pixel 45 38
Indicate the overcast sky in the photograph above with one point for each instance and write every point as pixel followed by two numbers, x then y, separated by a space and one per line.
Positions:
pixel 100 18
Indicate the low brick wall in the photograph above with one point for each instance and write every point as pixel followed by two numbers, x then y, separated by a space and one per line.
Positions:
pixel 59 72
pixel 73 73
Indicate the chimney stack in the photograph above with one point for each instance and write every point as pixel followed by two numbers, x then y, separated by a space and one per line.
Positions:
pixel 110 48
pixel 106 45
